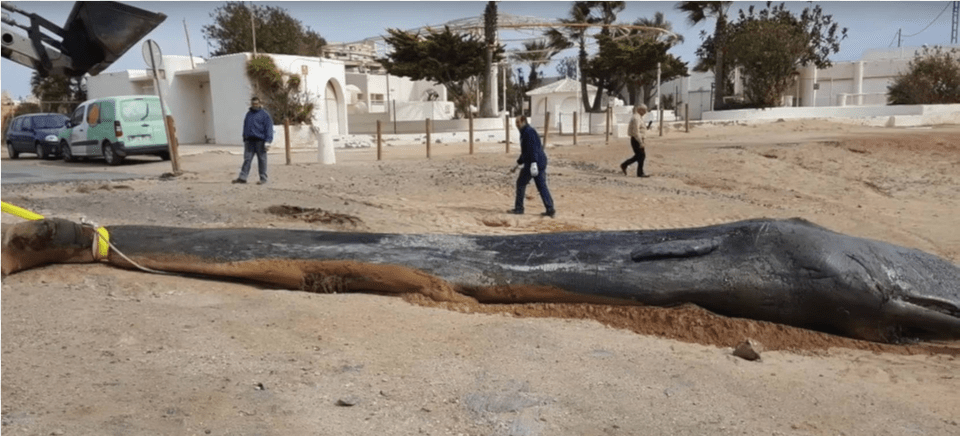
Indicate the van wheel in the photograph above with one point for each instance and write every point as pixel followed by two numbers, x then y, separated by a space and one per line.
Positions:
pixel 110 155
pixel 11 152
pixel 165 155
pixel 41 153
pixel 65 152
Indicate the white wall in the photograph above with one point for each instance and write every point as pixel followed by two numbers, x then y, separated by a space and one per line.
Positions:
pixel 859 77
pixel 179 94
pixel 872 74
pixel 231 91
pixel 891 116
pixel 320 72
pixel 561 106
pixel 110 85
pixel 227 97
pixel 367 124
pixel 182 96
pixel 402 89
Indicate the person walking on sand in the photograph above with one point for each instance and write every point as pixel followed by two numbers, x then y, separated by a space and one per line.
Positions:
pixel 257 133
pixel 533 165
pixel 635 129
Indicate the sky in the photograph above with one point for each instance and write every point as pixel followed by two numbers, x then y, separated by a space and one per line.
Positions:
pixel 872 25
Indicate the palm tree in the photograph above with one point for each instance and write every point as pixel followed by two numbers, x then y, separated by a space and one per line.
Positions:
pixel 487 108
pixel 566 37
pixel 535 54
pixel 657 22
pixel 607 14
pixel 582 15
pixel 698 12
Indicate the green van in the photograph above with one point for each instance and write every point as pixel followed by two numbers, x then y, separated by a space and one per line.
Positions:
pixel 114 128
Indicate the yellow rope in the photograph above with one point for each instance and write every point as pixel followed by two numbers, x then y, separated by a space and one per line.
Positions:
pixel 102 238
pixel 20 212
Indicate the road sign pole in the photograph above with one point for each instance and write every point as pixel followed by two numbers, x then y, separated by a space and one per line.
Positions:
pixel 153 49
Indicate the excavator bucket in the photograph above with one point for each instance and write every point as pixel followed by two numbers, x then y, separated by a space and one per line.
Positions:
pixel 96 33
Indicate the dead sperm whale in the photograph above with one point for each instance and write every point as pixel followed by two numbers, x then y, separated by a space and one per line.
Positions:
pixel 785 271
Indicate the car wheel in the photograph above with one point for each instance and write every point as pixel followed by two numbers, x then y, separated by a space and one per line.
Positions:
pixel 110 155
pixel 165 155
pixel 41 153
pixel 11 152
pixel 65 152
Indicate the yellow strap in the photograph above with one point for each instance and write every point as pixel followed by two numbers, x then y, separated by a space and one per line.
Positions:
pixel 20 212
pixel 103 247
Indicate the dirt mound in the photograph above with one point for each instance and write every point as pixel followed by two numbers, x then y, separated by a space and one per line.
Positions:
pixel 314 215
pixel 693 325
pixel 86 189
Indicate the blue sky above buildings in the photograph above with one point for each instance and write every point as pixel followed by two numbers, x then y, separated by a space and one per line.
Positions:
pixel 872 25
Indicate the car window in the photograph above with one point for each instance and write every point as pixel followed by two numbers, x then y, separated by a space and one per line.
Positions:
pixel 140 110
pixel 93 115
pixel 17 123
pixel 77 117
pixel 26 124
pixel 49 122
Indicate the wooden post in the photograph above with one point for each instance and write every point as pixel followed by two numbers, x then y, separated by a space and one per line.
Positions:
pixel 286 138
pixel 546 127
pixel 609 116
pixel 686 116
pixel 379 141
pixel 174 145
pixel 471 131
pixel 428 138
pixel 506 125
pixel 575 128
pixel 661 119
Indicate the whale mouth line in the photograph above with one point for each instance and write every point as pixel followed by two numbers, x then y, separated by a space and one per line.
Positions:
pixel 934 304
pixel 679 249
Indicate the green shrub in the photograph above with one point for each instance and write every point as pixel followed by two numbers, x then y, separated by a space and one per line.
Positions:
pixel 932 77
pixel 280 92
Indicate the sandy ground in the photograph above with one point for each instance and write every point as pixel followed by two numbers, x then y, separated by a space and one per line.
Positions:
pixel 92 349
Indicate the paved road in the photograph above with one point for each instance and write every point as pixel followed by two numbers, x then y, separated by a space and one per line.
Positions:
pixel 28 169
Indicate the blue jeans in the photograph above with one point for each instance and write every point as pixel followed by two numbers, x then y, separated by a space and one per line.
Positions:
pixel 249 149
pixel 540 180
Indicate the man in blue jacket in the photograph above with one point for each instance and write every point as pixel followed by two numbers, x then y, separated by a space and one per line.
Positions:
pixel 257 132
pixel 534 162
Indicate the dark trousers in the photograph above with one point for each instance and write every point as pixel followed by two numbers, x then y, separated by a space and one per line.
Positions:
pixel 251 148
pixel 639 155
pixel 540 180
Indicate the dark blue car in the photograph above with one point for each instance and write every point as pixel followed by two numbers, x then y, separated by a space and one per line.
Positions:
pixel 35 133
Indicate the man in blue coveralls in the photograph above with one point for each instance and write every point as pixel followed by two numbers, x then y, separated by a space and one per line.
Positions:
pixel 534 165
pixel 257 132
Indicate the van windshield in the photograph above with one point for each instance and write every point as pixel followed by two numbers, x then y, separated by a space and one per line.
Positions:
pixel 140 110
pixel 49 122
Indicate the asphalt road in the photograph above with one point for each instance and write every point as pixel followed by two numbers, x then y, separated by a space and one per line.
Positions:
pixel 29 169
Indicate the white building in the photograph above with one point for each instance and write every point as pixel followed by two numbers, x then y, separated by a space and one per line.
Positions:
pixel 209 98
pixel 859 83
pixel 390 99
pixel 360 57
pixel 377 93
pixel 853 83
pixel 560 99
